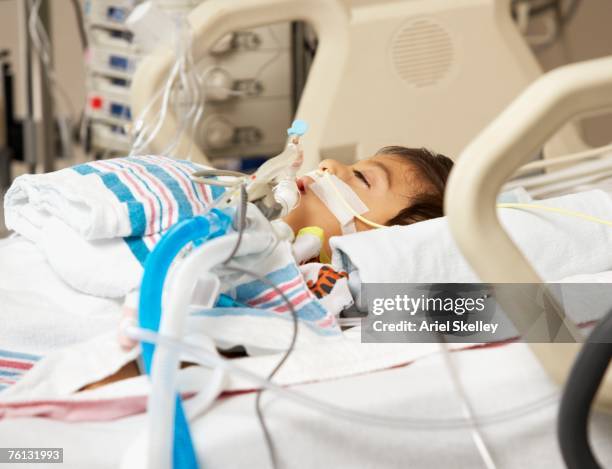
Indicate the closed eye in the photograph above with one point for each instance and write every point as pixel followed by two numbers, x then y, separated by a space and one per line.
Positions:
pixel 360 175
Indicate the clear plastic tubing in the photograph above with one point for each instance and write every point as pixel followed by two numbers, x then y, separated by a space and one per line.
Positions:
pixel 213 361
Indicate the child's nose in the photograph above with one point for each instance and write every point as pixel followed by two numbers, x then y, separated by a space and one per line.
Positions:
pixel 334 167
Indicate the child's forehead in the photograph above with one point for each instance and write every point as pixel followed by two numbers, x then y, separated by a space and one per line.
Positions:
pixel 401 169
pixel 403 177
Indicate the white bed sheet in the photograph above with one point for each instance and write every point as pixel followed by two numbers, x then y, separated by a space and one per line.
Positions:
pixel 229 436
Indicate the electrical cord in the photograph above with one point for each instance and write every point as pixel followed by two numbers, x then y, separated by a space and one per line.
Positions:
pixel 279 365
pixel 225 264
pixel 78 11
pixel 581 388
pixel 241 223
pixel 468 410
pixel 562 211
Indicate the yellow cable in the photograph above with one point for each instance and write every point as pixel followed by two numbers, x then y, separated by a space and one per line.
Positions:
pixel 569 213
pixel 562 211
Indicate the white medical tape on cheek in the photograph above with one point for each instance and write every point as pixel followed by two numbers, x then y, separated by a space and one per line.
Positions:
pixel 322 188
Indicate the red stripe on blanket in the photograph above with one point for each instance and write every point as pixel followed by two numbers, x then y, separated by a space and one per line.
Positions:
pixel 79 411
pixel 16 365
pixel 294 302
pixel 271 294
pixel 112 409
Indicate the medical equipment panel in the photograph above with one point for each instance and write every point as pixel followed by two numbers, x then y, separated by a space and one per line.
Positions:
pixel 246 84
pixel 109 13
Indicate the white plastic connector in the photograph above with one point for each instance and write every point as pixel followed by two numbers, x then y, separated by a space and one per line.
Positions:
pixel 287 194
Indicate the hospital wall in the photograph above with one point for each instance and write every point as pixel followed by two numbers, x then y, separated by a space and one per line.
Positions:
pixel 587 36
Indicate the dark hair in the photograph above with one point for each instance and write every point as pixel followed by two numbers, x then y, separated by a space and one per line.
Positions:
pixel 433 169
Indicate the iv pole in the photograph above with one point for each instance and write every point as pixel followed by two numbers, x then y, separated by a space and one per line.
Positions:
pixel 38 121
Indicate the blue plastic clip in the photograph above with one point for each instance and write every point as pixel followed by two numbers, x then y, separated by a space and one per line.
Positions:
pixel 298 127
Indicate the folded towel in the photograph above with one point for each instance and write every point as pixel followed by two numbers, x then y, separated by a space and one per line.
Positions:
pixel 122 197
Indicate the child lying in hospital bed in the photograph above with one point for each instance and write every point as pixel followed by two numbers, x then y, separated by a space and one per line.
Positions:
pixel 562 248
pixel 399 186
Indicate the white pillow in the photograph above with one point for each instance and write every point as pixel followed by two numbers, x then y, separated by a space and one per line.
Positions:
pixel 557 245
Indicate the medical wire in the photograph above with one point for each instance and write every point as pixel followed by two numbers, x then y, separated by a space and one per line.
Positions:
pixel 200 99
pixel 290 348
pixel 273 59
pixel 212 360
pixel 260 417
pixel 187 74
pixel 241 223
pixel 281 362
pixel 563 211
pixel 145 135
pixel 142 133
pixel 466 405
pixel 468 410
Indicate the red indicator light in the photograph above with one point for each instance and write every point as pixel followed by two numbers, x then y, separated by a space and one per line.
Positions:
pixel 95 102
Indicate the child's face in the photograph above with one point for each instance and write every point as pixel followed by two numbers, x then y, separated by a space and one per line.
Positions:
pixel 384 183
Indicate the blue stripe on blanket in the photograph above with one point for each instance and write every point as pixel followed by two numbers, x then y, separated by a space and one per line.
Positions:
pixel 180 169
pixel 304 318
pixel 251 290
pixel 118 162
pixel 309 310
pixel 158 172
pixel 122 192
pixel 138 248
pixel 19 355
pixel 135 209
pixel 14 365
pixel 136 212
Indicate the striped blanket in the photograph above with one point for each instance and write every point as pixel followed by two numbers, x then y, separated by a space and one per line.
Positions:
pixel 155 192
pixel 97 222
pixel 13 366
pixel 108 214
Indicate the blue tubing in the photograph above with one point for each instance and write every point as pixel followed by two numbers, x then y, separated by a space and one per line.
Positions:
pixel 196 230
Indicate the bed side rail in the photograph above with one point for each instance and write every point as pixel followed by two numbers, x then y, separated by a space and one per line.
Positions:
pixel 490 160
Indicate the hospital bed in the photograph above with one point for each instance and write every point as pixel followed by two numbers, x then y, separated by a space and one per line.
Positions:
pixel 419 389
pixel 492 158
pixel 228 433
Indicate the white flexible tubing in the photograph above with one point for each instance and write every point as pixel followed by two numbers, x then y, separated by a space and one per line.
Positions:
pixel 178 293
pixel 331 410
pixel 467 408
